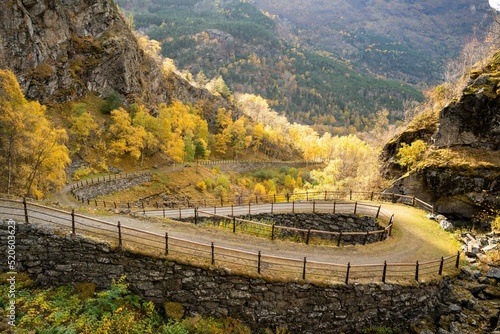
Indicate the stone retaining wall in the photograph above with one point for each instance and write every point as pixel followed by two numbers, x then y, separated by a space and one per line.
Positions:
pixel 329 222
pixel 52 259
pixel 326 222
pixel 89 192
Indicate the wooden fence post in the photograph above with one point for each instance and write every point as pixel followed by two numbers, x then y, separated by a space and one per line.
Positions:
pixel 314 206
pixel 416 271
pixel 350 195
pixel 340 238
pixel 272 232
pixel 196 216
pixel 378 211
pixel 384 273
pixel 457 263
pixel 25 205
pixel 333 206
pixel 120 243
pixel 234 224
pixel 308 235
pixel 213 254
pixel 347 273
pixel 355 207
pixel 166 243
pixel 73 230
pixel 304 268
pixel 293 206
pixel 258 262
pixel 390 228
pixel 441 266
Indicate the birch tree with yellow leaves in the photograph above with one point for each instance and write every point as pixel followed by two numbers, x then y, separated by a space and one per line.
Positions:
pixel 33 154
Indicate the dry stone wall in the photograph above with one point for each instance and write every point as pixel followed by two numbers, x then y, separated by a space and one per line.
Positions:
pixel 53 259
pixel 321 222
pixel 89 192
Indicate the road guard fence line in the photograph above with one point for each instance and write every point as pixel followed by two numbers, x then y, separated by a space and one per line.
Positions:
pixel 230 221
pixel 203 254
pixel 255 199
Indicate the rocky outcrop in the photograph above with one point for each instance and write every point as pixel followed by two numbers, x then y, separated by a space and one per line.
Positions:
pixel 62 50
pixel 470 304
pixel 474 120
pixel 469 128
pixel 455 192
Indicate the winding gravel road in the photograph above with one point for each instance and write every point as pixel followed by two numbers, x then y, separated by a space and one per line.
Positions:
pixel 415 237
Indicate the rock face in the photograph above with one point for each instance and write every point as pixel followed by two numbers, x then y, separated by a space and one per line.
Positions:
pixel 470 126
pixel 62 50
pixel 474 120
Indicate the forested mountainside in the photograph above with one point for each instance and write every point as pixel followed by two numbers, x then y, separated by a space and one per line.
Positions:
pixel 235 40
pixel 401 39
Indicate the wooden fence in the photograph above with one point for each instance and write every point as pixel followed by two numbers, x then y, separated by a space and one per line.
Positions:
pixel 105 178
pixel 204 254
pixel 261 199
pixel 273 231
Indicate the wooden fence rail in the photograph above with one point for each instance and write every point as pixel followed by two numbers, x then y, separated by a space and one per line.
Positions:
pixel 304 235
pixel 264 199
pixel 186 251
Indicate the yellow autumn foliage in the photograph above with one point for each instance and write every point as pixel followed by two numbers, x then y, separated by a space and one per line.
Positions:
pixel 33 155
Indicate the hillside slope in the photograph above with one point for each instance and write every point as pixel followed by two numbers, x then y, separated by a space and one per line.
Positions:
pixel 61 52
pixel 402 39
pixel 460 172
pixel 233 39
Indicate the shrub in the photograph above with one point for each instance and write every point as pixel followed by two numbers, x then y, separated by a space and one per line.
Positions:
pixel 111 102
pixel 201 186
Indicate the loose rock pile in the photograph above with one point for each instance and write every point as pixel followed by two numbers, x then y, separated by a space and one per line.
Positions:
pixel 470 303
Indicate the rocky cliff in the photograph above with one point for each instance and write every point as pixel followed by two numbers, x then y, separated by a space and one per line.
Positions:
pixel 61 50
pixel 460 173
